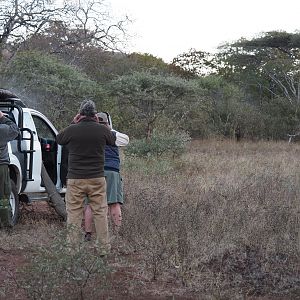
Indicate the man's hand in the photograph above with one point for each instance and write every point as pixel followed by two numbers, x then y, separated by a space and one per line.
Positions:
pixel 1 114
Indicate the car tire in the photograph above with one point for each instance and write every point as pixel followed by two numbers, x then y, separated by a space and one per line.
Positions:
pixel 14 204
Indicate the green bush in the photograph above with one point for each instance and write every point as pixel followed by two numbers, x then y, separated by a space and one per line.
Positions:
pixel 170 143
pixel 61 272
pixel 49 85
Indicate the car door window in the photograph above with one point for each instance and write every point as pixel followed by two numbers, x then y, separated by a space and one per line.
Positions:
pixel 49 146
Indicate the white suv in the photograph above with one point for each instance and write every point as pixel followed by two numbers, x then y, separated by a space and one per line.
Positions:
pixel 36 146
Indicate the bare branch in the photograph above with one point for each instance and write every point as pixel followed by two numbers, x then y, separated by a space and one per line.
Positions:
pixel 25 18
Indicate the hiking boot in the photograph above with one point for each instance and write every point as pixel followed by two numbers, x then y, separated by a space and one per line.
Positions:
pixel 88 237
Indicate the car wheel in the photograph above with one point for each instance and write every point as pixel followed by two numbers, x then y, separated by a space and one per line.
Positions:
pixel 14 204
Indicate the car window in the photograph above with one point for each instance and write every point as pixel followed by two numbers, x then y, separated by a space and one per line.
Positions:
pixel 43 129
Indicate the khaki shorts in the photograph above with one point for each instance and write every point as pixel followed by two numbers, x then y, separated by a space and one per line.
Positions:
pixel 114 187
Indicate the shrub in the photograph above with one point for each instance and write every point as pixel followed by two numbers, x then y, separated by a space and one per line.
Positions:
pixel 172 143
pixel 55 272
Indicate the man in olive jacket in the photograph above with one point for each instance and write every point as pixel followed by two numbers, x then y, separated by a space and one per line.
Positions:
pixel 8 132
pixel 86 140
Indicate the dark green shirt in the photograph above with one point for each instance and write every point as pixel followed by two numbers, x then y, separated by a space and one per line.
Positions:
pixel 86 142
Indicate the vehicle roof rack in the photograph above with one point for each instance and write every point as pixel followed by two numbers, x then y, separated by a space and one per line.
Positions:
pixel 8 97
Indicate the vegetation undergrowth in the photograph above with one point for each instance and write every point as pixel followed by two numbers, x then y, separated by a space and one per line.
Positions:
pixel 222 218
pixel 161 144
pixel 59 271
pixel 220 221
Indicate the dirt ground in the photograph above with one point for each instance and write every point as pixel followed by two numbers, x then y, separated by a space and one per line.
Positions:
pixel 121 281
pixel 128 281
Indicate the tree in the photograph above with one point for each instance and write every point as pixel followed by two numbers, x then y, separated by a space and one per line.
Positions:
pixel 104 66
pixel 196 63
pixel 228 111
pixel 20 19
pixel 71 24
pixel 49 85
pixel 143 98
pixel 267 65
pixel 93 25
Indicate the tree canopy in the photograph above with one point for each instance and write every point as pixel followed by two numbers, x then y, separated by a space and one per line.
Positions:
pixel 248 86
pixel 61 24
pixel 145 97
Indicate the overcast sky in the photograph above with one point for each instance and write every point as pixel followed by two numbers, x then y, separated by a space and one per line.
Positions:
pixel 166 28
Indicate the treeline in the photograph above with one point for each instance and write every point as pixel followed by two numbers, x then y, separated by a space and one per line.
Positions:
pixel 247 89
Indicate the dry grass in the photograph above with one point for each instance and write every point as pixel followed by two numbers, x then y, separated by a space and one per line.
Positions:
pixel 37 224
pixel 224 219
pixel 221 222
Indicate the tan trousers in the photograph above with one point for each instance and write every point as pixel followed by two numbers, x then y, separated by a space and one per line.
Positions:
pixel 77 191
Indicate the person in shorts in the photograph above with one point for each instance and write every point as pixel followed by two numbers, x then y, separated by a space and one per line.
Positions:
pixel 114 184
